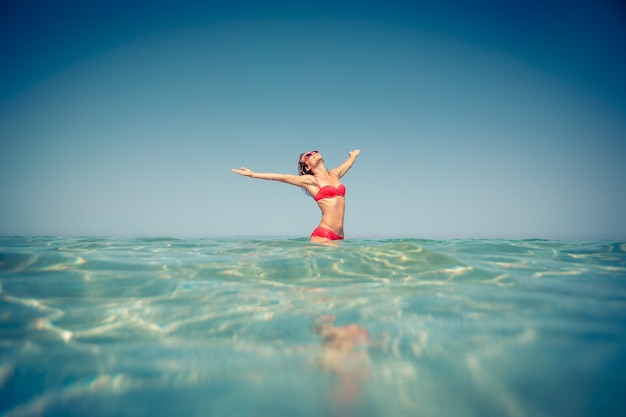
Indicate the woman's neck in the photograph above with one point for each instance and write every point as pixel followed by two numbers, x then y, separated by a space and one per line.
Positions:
pixel 320 170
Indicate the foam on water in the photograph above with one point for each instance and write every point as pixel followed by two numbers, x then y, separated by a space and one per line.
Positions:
pixel 398 327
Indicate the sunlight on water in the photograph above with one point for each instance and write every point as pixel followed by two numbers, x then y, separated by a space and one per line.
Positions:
pixel 398 327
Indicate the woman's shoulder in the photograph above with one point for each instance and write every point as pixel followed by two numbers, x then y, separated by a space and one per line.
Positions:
pixel 309 179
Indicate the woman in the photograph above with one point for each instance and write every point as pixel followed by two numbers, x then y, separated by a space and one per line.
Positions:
pixel 322 185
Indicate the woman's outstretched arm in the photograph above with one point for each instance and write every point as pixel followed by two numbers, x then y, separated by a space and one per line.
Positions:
pixel 298 180
pixel 347 164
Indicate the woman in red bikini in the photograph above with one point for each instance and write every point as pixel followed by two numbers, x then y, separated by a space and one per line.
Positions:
pixel 323 185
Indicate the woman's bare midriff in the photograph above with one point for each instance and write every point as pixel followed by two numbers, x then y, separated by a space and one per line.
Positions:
pixel 333 210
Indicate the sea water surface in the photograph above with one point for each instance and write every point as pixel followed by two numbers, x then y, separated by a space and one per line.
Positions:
pixel 282 327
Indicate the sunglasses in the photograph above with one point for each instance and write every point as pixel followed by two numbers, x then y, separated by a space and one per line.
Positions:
pixel 308 154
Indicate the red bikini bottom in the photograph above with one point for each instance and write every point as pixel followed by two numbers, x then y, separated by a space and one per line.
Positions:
pixel 328 234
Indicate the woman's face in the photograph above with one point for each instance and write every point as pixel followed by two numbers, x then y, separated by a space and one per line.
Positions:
pixel 310 158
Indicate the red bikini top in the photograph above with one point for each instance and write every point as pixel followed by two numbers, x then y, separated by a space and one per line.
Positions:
pixel 328 191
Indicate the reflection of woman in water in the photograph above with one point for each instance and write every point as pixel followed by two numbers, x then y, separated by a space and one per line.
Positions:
pixel 323 185
pixel 344 352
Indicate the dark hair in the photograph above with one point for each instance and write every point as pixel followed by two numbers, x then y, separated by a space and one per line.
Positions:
pixel 303 170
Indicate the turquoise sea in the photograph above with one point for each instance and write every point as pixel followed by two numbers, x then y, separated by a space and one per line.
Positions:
pixel 282 327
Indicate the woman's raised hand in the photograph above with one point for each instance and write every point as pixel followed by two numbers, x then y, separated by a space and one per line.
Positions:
pixel 243 171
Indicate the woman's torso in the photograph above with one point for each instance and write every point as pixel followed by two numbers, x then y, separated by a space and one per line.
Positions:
pixel 330 197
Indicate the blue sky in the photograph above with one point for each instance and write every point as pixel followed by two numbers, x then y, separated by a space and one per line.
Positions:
pixel 474 119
